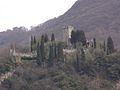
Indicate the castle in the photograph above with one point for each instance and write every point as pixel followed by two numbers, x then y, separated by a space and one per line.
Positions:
pixel 67 34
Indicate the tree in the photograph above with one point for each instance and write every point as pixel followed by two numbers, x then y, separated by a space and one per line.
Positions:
pixel 104 46
pixel 8 84
pixel 82 55
pixel 51 56
pixel 31 43
pixel 77 62
pixel 80 61
pixel 60 52
pixel 110 45
pixel 52 37
pixel 42 38
pixel 46 38
pixel 73 37
pixel 34 40
pixel 81 37
pixel 78 36
pixel 42 48
pixel 56 51
pixel 39 59
pixel 94 42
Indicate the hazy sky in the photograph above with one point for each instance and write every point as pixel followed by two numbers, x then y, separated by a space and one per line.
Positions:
pixel 30 12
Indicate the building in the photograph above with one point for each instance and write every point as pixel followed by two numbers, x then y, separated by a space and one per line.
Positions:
pixel 67 34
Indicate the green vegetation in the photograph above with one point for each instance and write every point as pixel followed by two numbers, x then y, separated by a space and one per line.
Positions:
pixel 5 61
pixel 89 67
pixel 33 43
pixel 39 59
pixel 78 36
pixel 94 42
pixel 42 48
pixel 52 37
pixel 110 45
pixel 46 39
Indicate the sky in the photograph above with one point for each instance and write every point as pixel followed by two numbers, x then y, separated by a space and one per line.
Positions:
pixel 30 12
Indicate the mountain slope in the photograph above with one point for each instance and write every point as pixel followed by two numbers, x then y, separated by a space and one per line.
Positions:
pixel 98 18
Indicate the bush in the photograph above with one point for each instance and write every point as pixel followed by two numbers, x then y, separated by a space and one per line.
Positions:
pixel 25 87
pixel 4 68
pixel 7 84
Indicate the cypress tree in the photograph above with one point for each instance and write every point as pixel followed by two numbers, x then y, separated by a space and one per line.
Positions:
pixel 94 42
pixel 31 43
pixel 110 45
pixel 51 56
pixel 34 40
pixel 60 52
pixel 82 55
pixel 56 51
pixel 104 46
pixel 83 68
pixel 78 36
pixel 81 37
pixel 46 38
pixel 53 50
pixel 52 37
pixel 77 63
pixel 42 48
pixel 42 38
pixel 80 60
pixel 73 37
pixel 39 59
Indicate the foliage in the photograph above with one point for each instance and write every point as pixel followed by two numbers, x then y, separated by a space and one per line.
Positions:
pixel 87 67
pixel 94 41
pixel 104 46
pixel 7 83
pixel 60 52
pixel 51 56
pixel 110 45
pixel 73 37
pixel 46 39
pixel 42 48
pixel 4 68
pixel 52 37
pixel 31 43
pixel 35 40
pixel 81 37
pixel 39 57
pixel 78 36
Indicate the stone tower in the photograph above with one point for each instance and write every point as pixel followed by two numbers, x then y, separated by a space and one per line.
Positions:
pixel 67 34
